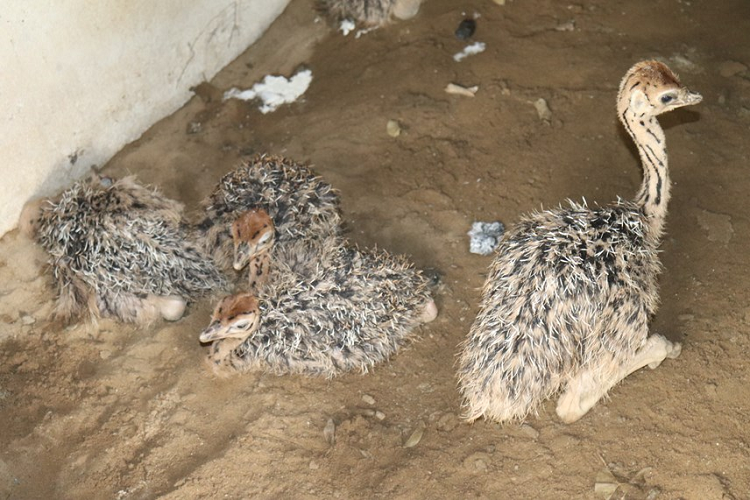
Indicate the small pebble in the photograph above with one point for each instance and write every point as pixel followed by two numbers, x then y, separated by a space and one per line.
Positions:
pixel 27 319
pixel 368 399
pixel 379 415
pixel 711 389
pixel 416 436
pixel 567 26
pixel 466 29
pixel 478 461
pixel 452 88
pixel 731 68
pixel 685 64
pixel 105 354
pixel 314 465
pixel 447 422
pixel 542 109
pixel 329 432
pixel 393 128
pixel 653 493
pixel 529 431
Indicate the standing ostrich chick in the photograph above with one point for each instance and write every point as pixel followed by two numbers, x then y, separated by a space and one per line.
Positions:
pixel 568 298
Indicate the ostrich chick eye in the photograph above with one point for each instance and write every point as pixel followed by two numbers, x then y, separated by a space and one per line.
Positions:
pixel 242 325
pixel 666 99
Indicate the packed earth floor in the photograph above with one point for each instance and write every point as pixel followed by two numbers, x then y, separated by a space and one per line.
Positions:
pixel 114 411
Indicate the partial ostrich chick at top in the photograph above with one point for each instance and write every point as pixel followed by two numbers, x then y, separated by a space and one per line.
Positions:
pixel 567 301
pixel 301 205
pixel 119 249
pixel 330 308
pixel 370 12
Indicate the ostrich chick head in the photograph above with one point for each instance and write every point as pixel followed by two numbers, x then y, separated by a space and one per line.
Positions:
pixel 650 88
pixel 236 316
pixel 253 234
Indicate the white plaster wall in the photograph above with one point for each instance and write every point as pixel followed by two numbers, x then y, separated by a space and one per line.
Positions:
pixel 79 79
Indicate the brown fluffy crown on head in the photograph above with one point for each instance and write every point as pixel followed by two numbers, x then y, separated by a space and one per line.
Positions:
pixel 250 224
pixel 656 72
pixel 650 88
pixel 233 306
pixel 235 317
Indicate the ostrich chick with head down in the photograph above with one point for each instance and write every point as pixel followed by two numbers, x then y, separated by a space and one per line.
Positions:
pixel 119 249
pixel 297 203
pixel 567 301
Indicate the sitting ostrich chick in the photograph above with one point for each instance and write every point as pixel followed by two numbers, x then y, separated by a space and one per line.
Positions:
pixel 370 12
pixel 119 249
pixel 567 301
pixel 349 311
pixel 300 204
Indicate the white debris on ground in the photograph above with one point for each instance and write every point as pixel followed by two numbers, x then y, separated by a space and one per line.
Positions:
pixel 274 90
pixel 542 110
pixel 470 50
pixel 453 88
pixel 346 26
pixel 485 236
pixel 365 31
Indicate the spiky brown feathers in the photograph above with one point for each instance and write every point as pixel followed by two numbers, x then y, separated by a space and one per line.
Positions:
pixel 568 298
pixel 564 288
pixel 301 204
pixel 349 311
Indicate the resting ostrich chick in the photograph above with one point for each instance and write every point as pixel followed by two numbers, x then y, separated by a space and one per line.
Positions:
pixel 347 312
pixel 119 249
pixel 300 204
pixel 370 12
pixel 567 301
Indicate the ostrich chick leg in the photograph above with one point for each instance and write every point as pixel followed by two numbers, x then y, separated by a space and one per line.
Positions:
pixel 585 389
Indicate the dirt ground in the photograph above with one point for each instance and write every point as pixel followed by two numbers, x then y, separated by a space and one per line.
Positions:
pixel 114 411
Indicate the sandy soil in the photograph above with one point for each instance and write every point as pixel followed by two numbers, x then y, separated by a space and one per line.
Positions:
pixel 113 411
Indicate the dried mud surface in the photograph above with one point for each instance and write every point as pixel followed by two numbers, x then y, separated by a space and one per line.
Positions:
pixel 113 411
